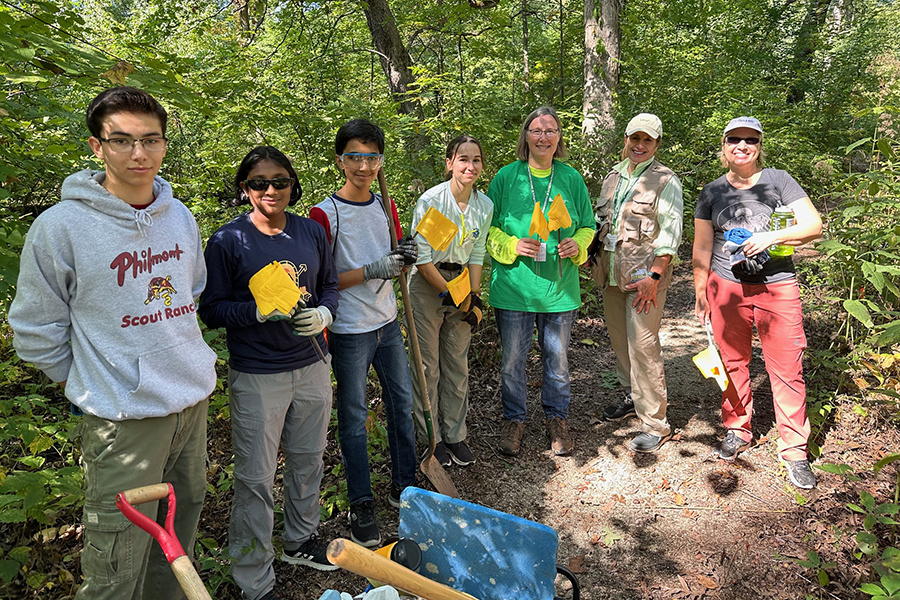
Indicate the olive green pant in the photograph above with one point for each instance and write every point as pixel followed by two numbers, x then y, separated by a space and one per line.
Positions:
pixel 120 561
pixel 444 343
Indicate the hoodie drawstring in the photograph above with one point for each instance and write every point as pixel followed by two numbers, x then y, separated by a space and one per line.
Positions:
pixel 143 219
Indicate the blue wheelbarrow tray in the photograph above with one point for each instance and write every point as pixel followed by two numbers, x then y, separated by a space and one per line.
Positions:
pixel 489 554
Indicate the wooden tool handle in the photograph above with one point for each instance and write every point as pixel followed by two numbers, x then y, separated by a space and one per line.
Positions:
pixel 189 579
pixel 361 561
pixel 148 493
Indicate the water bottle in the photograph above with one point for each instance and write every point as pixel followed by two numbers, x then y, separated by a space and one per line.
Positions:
pixel 782 218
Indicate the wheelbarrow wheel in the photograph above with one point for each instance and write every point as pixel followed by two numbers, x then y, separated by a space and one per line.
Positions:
pixel 568 574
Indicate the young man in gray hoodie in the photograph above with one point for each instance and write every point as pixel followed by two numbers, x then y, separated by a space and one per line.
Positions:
pixel 105 306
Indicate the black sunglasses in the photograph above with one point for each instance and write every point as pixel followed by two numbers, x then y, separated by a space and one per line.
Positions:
pixel 261 185
pixel 734 140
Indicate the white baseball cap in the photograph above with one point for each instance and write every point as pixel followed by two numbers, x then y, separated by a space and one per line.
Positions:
pixel 646 122
pixel 739 122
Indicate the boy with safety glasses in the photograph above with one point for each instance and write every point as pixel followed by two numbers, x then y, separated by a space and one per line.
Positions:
pixel 105 306
pixel 366 331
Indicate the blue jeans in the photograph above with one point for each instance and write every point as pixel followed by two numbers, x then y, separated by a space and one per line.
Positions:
pixel 351 356
pixel 554 332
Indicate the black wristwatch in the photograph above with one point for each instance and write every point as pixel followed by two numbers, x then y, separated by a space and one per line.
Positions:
pixel 655 276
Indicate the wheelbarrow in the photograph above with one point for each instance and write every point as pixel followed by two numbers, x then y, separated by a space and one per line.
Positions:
pixel 468 551
pixel 181 565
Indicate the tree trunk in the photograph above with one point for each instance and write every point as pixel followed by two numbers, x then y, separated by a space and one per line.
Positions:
pixel 395 60
pixel 805 49
pixel 525 45
pixel 602 44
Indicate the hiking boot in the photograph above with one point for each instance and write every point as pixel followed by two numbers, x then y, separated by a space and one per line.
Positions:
pixel 560 441
pixel 511 437
pixel 312 553
pixel 461 454
pixel 440 453
pixel 622 410
pixel 800 474
pixel 363 526
pixel 731 445
pixel 648 442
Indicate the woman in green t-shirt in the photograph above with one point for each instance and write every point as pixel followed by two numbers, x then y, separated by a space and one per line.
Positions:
pixel 534 277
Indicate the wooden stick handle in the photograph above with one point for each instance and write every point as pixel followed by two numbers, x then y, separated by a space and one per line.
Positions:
pixel 359 560
pixel 189 579
pixel 148 493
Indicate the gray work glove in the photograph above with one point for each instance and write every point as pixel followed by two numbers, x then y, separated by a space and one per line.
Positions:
pixel 275 315
pixel 311 321
pixel 408 249
pixel 386 267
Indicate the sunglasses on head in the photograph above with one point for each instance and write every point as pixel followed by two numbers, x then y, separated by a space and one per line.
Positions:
pixel 261 185
pixel 734 140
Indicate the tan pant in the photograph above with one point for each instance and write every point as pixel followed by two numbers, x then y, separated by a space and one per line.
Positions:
pixel 639 364
pixel 444 343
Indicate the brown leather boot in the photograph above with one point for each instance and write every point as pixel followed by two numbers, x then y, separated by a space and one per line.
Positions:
pixel 511 437
pixel 560 441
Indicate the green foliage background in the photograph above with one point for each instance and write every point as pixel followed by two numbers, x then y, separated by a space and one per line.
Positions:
pixel 825 95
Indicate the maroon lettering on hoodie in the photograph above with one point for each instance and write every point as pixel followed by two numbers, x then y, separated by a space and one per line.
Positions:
pixel 142 263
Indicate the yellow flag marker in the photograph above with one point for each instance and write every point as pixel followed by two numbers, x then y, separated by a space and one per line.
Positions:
pixel 710 364
pixel 437 229
pixel 460 287
pixel 539 223
pixel 273 289
pixel 558 214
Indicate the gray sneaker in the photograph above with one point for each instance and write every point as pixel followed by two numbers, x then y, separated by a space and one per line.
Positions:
pixel 648 442
pixel 800 474
pixel 730 446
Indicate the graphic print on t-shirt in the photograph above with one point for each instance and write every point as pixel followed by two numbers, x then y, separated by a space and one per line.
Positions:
pixel 751 215
pixel 295 271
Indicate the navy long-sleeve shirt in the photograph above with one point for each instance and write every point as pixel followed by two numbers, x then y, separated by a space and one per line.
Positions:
pixel 236 252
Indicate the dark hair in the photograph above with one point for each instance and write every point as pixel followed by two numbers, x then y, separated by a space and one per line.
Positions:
pixel 119 100
pixel 358 129
pixel 455 143
pixel 253 158
pixel 522 145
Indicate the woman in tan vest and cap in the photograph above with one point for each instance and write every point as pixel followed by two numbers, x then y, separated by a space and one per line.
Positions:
pixel 639 222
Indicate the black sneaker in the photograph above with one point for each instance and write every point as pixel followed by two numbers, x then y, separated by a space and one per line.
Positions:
pixel 440 453
pixel 648 442
pixel 800 474
pixel 394 497
pixel 730 446
pixel 461 454
pixel 312 553
pixel 620 411
pixel 363 526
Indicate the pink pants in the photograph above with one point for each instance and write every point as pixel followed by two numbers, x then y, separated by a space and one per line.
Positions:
pixel 775 309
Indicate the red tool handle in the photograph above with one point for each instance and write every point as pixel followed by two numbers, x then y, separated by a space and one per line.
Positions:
pixel 170 545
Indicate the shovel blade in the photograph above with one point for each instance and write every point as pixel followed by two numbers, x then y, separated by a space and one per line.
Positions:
pixel 438 477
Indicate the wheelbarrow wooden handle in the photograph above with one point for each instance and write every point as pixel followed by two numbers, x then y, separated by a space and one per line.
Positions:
pixel 359 560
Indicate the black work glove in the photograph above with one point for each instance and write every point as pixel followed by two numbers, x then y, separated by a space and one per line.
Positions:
pixel 408 250
pixel 473 310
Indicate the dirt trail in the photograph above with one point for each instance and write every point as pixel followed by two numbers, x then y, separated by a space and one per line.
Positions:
pixel 674 524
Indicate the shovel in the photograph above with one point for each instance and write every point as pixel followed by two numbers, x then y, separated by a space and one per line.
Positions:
pixel 430 466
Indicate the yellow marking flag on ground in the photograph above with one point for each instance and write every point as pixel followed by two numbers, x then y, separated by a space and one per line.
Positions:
pixel 437 229
pixel 539 223
pixel 558 214
pixel 460 287
pixel 273 289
